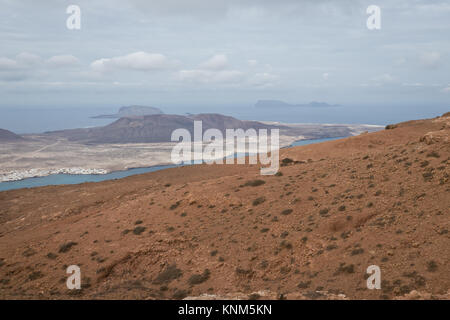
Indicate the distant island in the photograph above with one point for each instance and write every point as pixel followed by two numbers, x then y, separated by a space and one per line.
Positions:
pixel 282 104
pixel 130 111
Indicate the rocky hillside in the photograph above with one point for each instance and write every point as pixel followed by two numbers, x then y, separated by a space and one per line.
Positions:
pixel 309 232
pixel 8 136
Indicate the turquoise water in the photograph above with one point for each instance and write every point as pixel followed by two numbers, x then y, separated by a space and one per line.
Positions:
pixel 57 179
pixel 305 142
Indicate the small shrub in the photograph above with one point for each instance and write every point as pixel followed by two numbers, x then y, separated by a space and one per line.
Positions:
pixel 29 252
pixel 175 205
pixel 286 161
pixel 258 201
pixel 331 247
pixel 199 278
pixel 66 246
pixel 285 245
pixel 304 285
pixel 35 275
pixel 51 255
pixel 357 251
pixel 432 266
pixel 427 176
pixel 343 268
pixel 433 154
pixel 423 164
pixel 180 294
pixel 168 274
pixel 254 183
pixel 254 296
pixel 138 230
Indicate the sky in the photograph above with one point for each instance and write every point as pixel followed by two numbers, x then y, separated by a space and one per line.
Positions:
pixel 224 52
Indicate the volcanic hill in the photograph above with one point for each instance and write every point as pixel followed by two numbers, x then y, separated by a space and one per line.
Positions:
pixel 154 128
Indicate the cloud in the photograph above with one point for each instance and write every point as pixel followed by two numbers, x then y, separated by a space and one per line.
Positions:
pixel 8 64
pixel 244 9
pixel 62 61
pixel 263 79
pixel 21 61
pixel 430 59
pixel 252 62
pixel 212 70
pixel 208 76
pixel 28 59
pixel 217 62
pixel 325 76
pixel 139 61
pixel 385 78
pixel 28 65
pixel 215 71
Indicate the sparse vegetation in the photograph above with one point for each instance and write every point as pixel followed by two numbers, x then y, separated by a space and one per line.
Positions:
pixel 258 201
pixel 254 183
pixel 169 274
pixel 66 246
pixel 433 154
pixel 344 268
pixel 51 255
pixel 175 205
pixel 35 275
pixel 286 161
pixel 138 230
pixel 199 278
pixel 357 251
pixel 29 252
pixel 432 266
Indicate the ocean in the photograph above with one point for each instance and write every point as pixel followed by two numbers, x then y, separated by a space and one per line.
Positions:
pixel 40 119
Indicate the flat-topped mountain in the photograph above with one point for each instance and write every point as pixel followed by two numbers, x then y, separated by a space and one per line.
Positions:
pixel 8 136
pixel 155 128
pixel 131 111
pixel 282 104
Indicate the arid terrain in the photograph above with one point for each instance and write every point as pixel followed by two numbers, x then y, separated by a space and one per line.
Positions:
pixel 209 231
